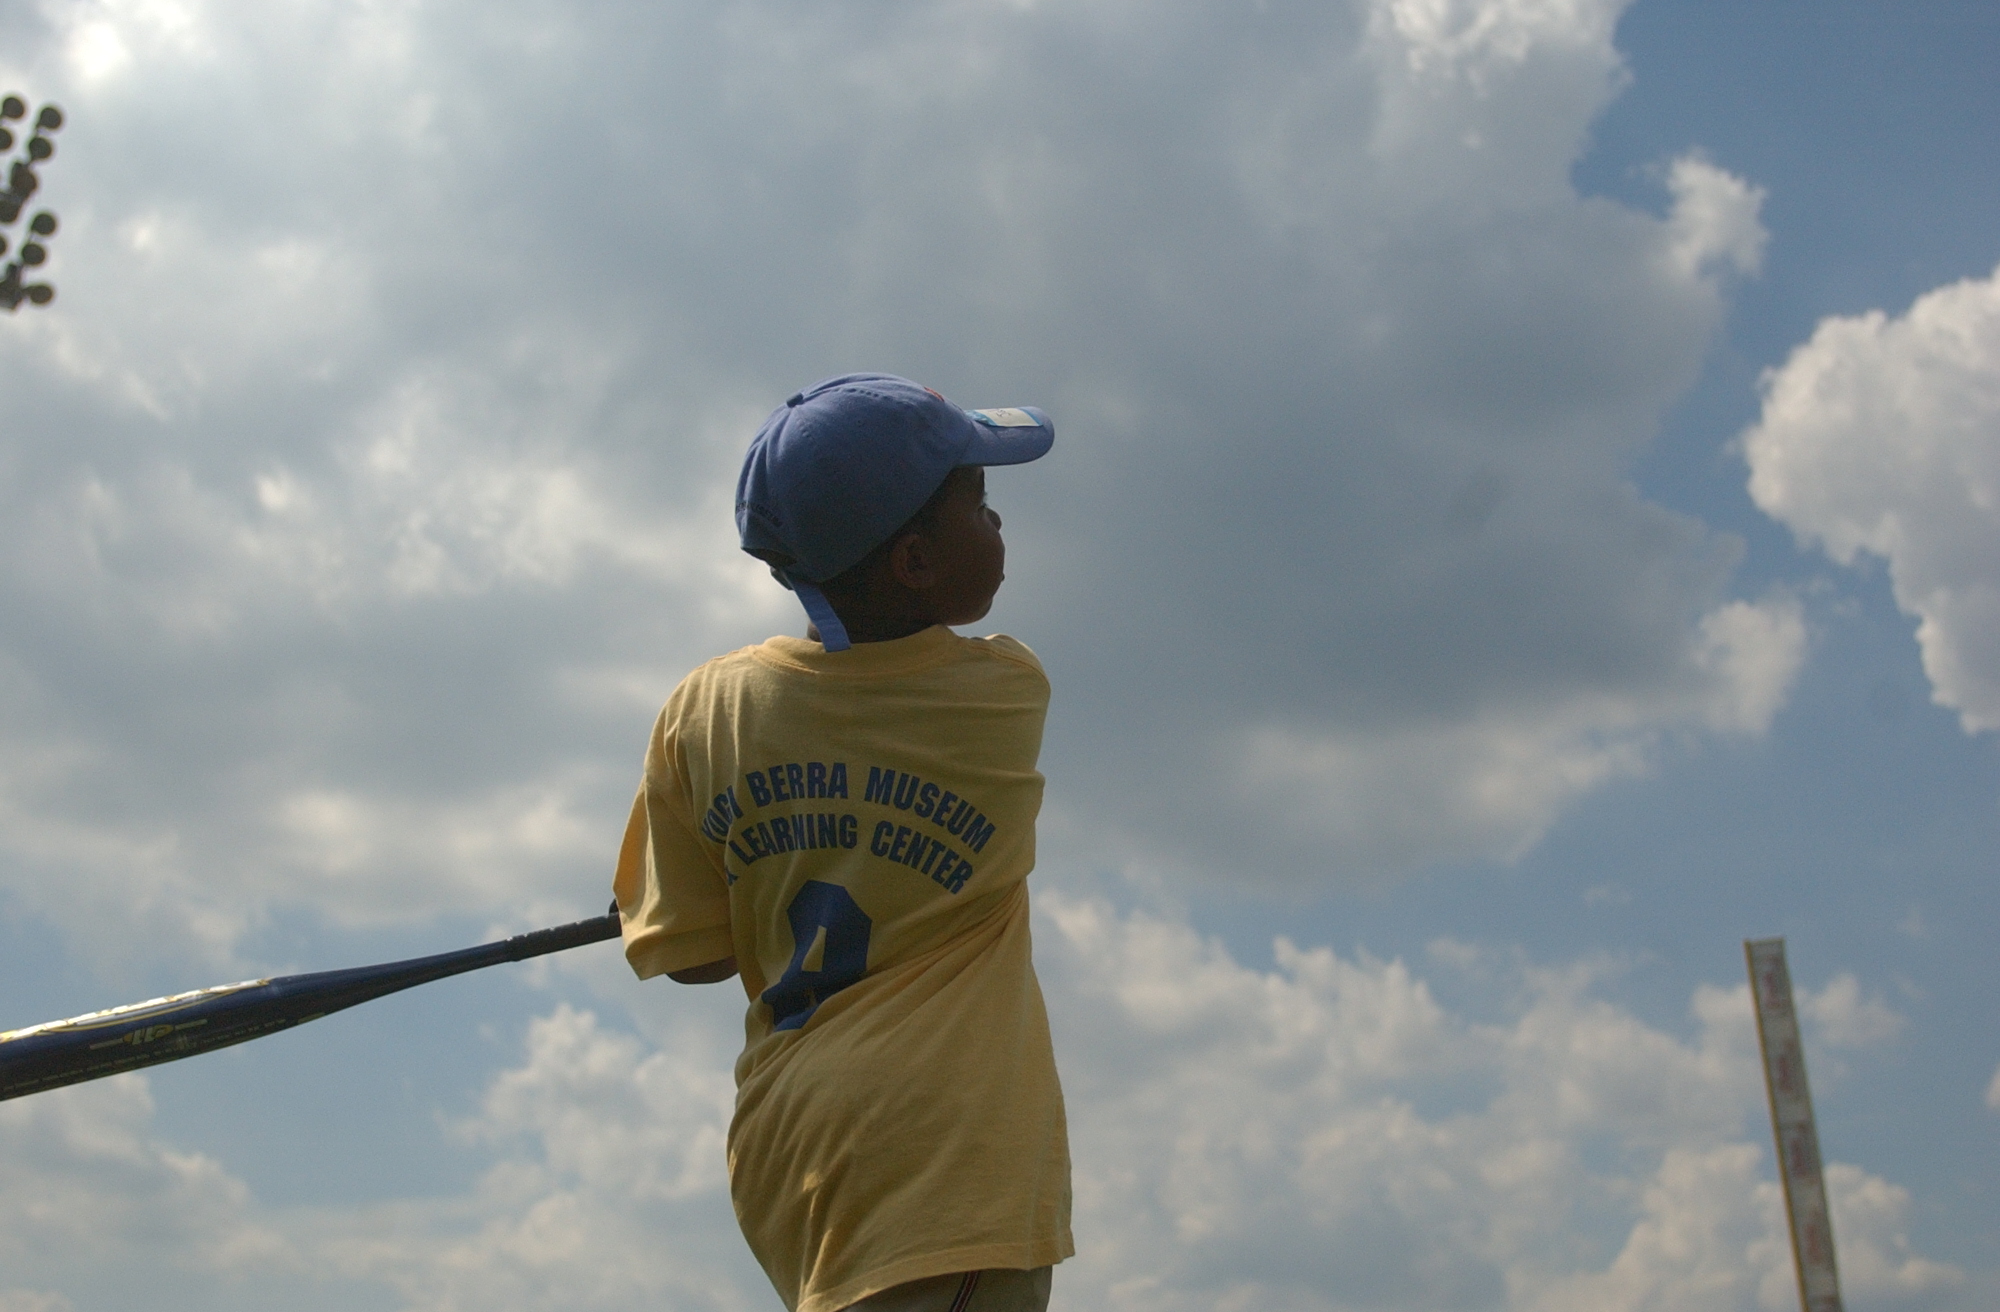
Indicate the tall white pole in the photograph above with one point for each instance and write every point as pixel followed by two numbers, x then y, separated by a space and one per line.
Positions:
pixel 1792 1125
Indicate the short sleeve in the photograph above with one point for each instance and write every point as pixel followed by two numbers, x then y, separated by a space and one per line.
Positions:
pixel 1013 649
pixel 671 891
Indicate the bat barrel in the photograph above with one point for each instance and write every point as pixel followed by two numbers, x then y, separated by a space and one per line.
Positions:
pixel 104 1043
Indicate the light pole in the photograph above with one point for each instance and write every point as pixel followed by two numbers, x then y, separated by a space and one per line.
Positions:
pixel 21 184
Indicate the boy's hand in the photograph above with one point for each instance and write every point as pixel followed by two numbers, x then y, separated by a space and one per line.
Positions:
pixel 712 973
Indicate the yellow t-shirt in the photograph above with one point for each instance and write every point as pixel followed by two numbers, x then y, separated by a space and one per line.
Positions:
pixel 857 829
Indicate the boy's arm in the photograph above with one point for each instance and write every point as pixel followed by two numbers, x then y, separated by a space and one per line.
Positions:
pixel 713 973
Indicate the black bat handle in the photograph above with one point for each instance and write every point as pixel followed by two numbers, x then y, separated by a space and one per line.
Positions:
pixel 563 937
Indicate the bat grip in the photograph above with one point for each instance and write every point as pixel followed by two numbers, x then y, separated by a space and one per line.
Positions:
pixel 563 937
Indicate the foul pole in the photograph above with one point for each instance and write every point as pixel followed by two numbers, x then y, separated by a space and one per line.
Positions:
pixel 1792 1125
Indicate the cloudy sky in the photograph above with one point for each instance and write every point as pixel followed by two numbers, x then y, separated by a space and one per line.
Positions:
pixel 1525 518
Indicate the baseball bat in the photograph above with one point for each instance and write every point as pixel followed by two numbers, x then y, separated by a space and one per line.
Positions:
pixel 102 1043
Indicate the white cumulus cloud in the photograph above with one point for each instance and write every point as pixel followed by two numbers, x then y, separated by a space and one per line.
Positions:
pixel 1881 435
pixel 1387 798
pixel 90 1197
pixel 1843 1016
pixel 1325 1134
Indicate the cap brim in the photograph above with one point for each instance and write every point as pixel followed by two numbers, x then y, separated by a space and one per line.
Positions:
pixel 1002 437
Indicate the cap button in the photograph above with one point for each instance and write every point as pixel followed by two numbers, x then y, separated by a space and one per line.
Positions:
pixel 796 398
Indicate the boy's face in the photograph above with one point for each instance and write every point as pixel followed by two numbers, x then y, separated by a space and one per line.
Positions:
pixel 966 553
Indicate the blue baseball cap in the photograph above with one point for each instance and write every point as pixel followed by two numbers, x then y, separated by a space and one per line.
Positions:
pixel 842 465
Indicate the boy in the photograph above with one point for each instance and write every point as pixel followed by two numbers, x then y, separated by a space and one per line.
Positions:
pixel 848 820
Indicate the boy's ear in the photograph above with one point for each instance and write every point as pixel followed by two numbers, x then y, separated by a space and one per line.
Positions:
pixel 910 561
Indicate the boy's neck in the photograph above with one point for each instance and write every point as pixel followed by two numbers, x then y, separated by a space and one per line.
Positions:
pixel 878 606
pixel 860 629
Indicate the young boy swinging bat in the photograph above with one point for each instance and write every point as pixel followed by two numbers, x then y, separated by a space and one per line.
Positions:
pixel 848 822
